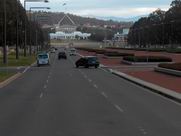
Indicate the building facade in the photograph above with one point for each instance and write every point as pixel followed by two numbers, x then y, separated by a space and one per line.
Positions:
pixel 67 29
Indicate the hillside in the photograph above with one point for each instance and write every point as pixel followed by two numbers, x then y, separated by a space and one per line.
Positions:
pixel 51 18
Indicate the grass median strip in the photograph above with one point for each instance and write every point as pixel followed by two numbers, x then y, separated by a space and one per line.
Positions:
pixel 5 75
pixel 22 61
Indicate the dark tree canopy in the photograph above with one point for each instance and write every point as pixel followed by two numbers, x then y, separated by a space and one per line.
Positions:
pixel 159 28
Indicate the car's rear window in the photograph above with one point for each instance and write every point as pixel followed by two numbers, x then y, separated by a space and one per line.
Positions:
pixel 92 59
pixel 44 56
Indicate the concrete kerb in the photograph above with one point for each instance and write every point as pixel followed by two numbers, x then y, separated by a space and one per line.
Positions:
pixel 168 71
pixel 154 88
pixel 16 76
pixel 9 80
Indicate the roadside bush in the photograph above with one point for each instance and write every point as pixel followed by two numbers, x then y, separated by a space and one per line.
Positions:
pixel 147 59
pixel 174 50
pixel 98 51
pixel 175 66
pixel 117 54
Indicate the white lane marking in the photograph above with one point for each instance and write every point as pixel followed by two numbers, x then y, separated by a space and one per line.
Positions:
pixel 104 70
pixel 26 69
pixel 142 130
pixel 90 80
pixel 118 108
pixel 95 86
pixel 103 93
pixel 41 95
pixel 45 86
pixel 85 76
pixel 47 80
pixel 48 76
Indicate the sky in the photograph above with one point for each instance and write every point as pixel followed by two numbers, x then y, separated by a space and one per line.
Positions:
pixel 104 8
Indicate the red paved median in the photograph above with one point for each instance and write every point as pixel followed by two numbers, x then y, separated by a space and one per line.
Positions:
pixel 164 80
pixel 143 72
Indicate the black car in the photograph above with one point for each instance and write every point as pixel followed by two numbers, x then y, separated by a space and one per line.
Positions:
pixel 88 61
pixel 62 55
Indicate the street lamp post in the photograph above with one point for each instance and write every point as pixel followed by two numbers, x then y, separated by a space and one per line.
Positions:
pixel 4 34
pixel 34 21
pixel 17 33
pixel 46 1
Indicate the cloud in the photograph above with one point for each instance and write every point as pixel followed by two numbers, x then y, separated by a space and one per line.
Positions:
pixel 119 12
pixel 117 8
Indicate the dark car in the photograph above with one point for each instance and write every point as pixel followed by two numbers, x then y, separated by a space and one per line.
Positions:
pixel 62 55
pixel 88 61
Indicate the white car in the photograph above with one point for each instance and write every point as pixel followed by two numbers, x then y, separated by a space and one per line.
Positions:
pixel 72 52
pixel 43 59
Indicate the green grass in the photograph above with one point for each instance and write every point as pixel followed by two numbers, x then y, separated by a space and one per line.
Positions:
pixel 13 62
pixel 5 75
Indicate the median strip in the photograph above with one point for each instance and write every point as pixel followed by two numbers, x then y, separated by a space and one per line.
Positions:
pixel 154 88
pixel 9 79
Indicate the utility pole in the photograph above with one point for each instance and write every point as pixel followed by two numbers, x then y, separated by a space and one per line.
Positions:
pixel 25 29
pixel 4 34
pixel 17 33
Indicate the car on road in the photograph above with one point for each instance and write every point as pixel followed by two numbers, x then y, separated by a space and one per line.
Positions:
pixel 43 59
pixel 72 52
pixel 52 50
pixel 88 61
pixel 62 55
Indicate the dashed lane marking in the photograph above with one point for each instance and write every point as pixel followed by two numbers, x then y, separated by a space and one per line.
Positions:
pixel 142 130
pixel 90 80
pixel 45 86
pixel 41 95
pixel 104 95
pixel 26 69
pixel 118 108
pixel 95 86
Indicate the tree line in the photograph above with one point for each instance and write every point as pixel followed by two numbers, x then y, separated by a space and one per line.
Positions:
pixel 160 28
pixel 17 23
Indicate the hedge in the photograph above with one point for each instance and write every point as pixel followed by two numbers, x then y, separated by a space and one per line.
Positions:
pixel 98 51
pixel 147 59
pixel 117 54
pixel 149 49
pixel 175 66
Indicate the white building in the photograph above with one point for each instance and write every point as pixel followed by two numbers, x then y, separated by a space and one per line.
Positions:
pixel 66 29
pixel 122 38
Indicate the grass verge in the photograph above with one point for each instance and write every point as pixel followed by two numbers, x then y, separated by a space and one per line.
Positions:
pixel 22 61
pixel 5 75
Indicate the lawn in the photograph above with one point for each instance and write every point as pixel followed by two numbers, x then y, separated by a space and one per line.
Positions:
pixel 5 75
pixel 23 61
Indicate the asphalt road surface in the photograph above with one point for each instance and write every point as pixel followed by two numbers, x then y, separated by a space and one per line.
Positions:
pixel 60 100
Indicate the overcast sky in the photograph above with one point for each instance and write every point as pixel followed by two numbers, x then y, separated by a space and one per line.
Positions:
pixel 103 8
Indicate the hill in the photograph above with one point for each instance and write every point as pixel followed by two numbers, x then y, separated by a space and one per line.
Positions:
pixel 52 18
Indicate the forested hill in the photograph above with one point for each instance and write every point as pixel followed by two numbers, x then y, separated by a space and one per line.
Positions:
pixel 51 18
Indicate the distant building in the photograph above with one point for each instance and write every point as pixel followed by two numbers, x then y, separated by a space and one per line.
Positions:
pixel 66 29
pixel 121 38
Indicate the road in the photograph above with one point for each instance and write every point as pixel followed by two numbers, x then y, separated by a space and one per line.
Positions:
pixel 60 100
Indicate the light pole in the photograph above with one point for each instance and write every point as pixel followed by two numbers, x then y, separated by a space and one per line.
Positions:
pixel 4 34
pixel 17 27
pixel 34 21
pixel 25 1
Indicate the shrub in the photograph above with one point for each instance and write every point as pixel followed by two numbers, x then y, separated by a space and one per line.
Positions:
pixel 175 66
pixel 147 59
pixel 174 50
pixel 117 54
pixel 98 51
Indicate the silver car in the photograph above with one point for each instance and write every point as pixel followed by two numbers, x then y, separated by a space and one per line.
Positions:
pixel 43 59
